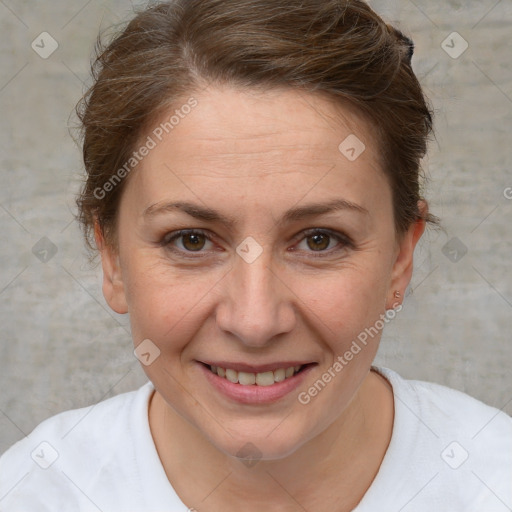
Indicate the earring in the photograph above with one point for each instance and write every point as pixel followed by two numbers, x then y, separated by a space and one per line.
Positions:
pixel 397 294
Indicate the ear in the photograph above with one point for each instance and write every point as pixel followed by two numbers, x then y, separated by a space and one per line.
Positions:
pixel 113 287
pixel 403 265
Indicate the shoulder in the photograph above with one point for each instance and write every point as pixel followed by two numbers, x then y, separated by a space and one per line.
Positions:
pixel 82 438
pixel 90 421
pixel 453 447
pixel 449 408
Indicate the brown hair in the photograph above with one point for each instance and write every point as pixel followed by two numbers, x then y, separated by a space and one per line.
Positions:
pixel 170 50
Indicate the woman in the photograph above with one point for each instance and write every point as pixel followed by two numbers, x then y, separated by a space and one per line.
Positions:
pixel 253 189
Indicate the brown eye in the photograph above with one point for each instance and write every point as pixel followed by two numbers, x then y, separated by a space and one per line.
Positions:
pixel 323 242
pixel 319 241
pixel 193 241
pixel 188 241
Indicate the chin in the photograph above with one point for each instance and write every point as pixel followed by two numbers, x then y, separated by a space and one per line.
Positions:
pixel 258 442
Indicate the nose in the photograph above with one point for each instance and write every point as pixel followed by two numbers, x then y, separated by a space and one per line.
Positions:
pixel 257 304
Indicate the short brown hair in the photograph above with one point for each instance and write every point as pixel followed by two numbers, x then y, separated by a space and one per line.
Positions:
pixel 170 50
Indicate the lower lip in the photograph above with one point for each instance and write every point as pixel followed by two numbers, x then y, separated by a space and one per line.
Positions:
pixel 255 394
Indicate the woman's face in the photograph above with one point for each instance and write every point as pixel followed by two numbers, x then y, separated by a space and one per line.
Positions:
pixel 294 255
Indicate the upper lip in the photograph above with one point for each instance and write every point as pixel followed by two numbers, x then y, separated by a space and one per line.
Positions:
pixel 255 368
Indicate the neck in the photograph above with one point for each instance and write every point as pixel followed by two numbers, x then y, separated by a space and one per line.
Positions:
pixel 330 472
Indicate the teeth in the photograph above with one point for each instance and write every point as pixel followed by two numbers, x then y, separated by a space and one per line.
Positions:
pixel 260 379
pixel 280 375
pixel 265 379
pixel 232 376
pixel 246 379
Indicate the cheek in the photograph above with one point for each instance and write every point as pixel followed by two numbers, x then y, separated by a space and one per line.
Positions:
pixel 165 304
pixel 346 303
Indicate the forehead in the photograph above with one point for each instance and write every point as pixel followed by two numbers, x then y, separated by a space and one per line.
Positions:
pixel 253 121
pixel 268 145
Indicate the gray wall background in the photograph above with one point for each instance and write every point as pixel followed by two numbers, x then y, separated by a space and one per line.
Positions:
pixel 61 347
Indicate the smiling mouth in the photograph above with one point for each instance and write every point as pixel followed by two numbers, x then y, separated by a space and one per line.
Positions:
pixel 267 378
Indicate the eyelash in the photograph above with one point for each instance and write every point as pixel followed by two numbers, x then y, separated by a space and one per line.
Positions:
pixel 344 240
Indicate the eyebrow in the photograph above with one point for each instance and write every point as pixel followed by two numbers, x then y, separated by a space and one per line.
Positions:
pixel 294 214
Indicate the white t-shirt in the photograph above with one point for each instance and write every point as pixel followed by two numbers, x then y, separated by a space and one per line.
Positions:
pixel 448 453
